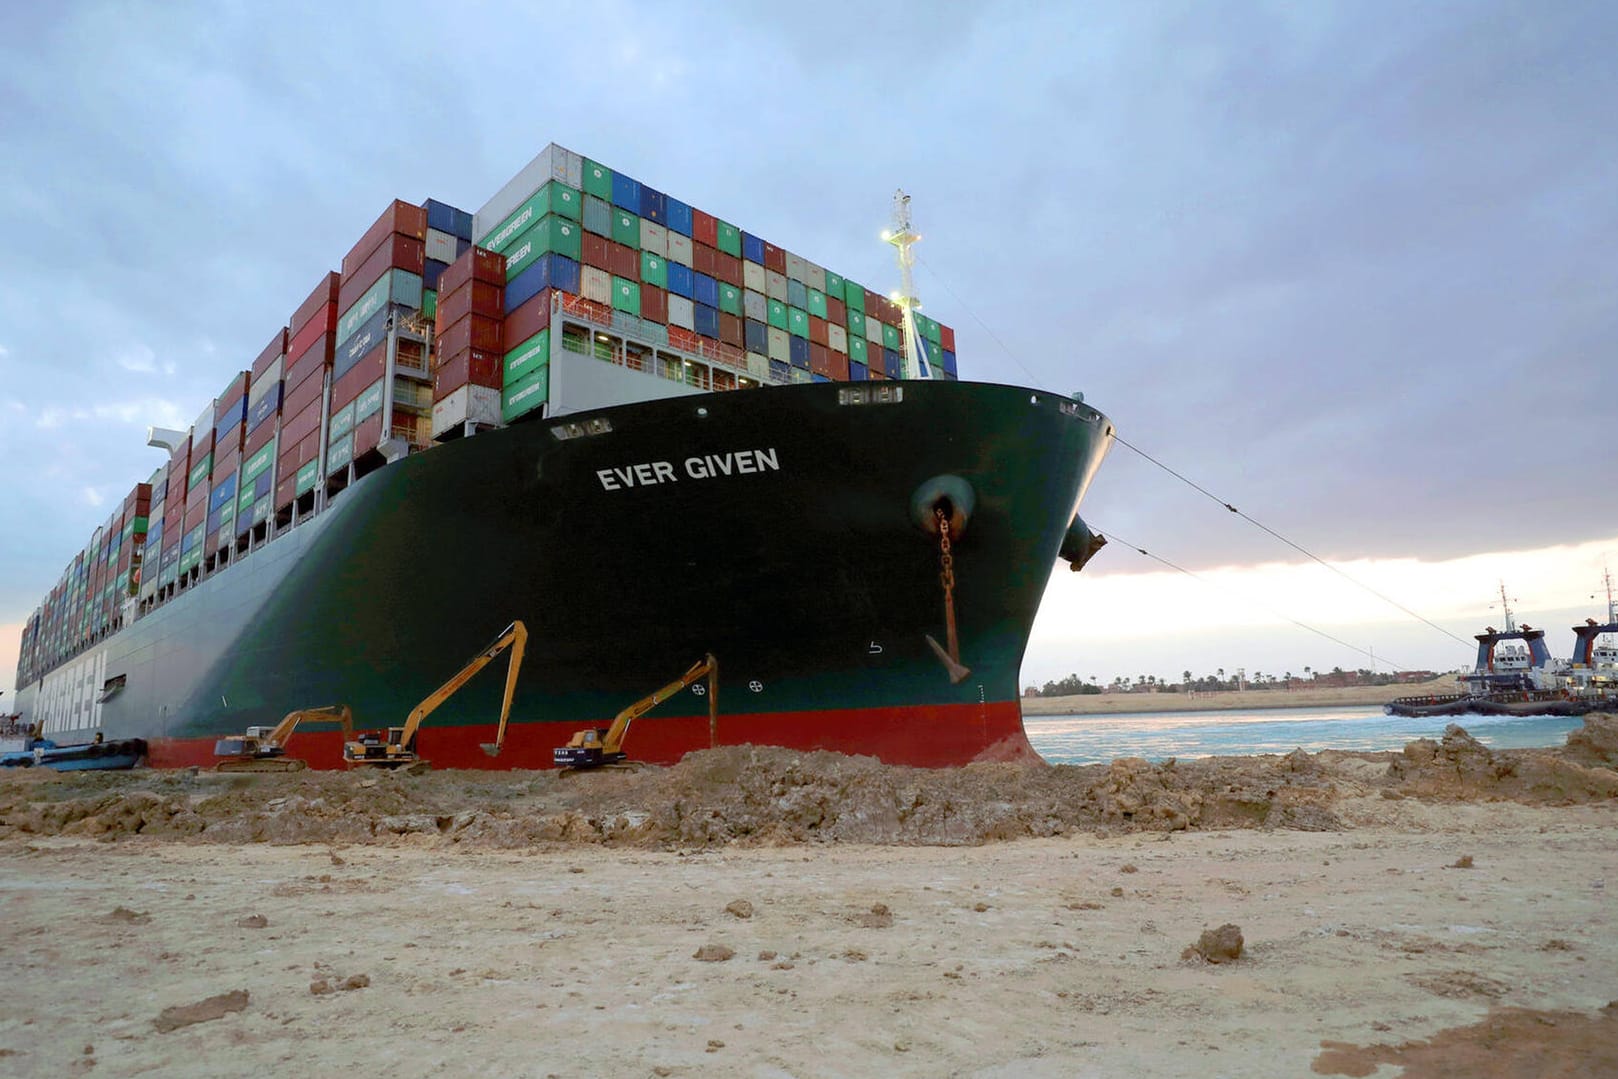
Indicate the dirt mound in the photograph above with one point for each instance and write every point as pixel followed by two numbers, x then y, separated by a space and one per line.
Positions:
pixel 1507 1042
pixel 767 795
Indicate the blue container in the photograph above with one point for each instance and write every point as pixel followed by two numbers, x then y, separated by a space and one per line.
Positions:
pixel 228 423
pixel 679 215
pixel 446 218
pixel 597 217
pixel 856 372
pixel 372 333
pixel 264 484
pixel 800 351
pixel 654 206
pixel 706 319
pixel 780 372
pixel 752 248
pixel 212 524
pixel 706 290
pixel 682 280
pixel 819 378
pixel 625 193
pixel 547 271
pixel 798 295
pixel 267 407
pixel 225 492
pixel 892 366
pixel 430 272
pixel 756 335
pixel 565 274
pixel 949 361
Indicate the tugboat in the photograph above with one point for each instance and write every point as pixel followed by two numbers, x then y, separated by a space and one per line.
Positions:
pixel 25 748
pixel 1522 679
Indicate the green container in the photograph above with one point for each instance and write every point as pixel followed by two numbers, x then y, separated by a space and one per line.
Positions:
pixel 308 476
pixel 525 395
pixel 528 357
pixel 730 299
pixel 854 295
pixel 552 199
pixel 406 289
pixel 778 314
pixel 626 228
pixel 817 303
pixel 834 285
pixel 262 458
pixel 199 472
pixel 890 336
pixel 429 303
pixel 398 286
pixel 654 270
pixel 369 402
pixel 730 239
pixel 556 234
pixel 342 422
pixel 856 324
pixel 597 180
pixel 797 322
pixel 856 349
pixel 626 295
pixel 597 216
pixel 933 333
pixel 340 454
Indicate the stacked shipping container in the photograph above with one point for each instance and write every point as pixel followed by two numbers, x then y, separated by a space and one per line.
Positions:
pixel 566 236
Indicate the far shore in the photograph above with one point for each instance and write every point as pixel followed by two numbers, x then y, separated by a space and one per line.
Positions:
pixel 1090 704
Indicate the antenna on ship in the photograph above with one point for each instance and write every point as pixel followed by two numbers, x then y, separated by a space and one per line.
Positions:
pixel 1505 604
pixel 1612 606
pixel 901 236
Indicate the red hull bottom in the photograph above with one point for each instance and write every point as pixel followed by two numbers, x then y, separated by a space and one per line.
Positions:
pixel 935 736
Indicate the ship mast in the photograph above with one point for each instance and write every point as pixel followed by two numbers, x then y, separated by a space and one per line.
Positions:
pixel 1505 604
pixel 902 237
pixel 1612 606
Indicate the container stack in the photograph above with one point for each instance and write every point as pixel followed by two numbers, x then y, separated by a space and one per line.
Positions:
pixel 467 339
pixel 229 431
pixel 255 482
pixel 174 512
pixel 197 493
pixel 311 344
pixel 132 543
pixel 152 559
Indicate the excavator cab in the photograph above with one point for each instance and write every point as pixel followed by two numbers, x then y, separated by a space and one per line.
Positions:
pixel 594 747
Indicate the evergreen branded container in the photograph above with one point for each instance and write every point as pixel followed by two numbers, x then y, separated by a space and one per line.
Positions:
pixel 525 396
pixel 528 357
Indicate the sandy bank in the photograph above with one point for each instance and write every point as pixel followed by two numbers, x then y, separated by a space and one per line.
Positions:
pixel 1105 703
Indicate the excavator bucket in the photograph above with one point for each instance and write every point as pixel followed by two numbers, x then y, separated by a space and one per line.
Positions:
pixel 491 748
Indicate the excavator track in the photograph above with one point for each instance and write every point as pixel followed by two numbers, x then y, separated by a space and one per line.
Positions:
pixel 273 764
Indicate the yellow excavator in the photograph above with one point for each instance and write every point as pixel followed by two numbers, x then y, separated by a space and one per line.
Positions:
pixel 396 747
pixel 594 747
pixel 263 749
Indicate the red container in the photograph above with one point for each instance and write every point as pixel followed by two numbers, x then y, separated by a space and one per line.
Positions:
pixel 300 396
pixel 322 321
pixel 367 433
pixel 819 360
pixel 817 330
pixel 359 378
pixel 623 261
pixel 395 252
pixel 704 228
pixel 400 217
pixel 472 298
pixel 259 438
pixel 473 331
pixel 595 251
pixel 232 395
pixel 294 455
pixel 727 268
pixel 875 376
pixel 316 357
pixel 775 258
pixel 475 264
pixel 703 259
pixel 839 367
pixel 654 303
pixel 196 513
pixel 946 338
pixel 682 339
pixel 730 329
pixel 225 463
pixel 449 358
pixel 324 293
pixel 476 368
pixel 301 426
pixel 836 312
pixel 533 316
pixel 276 347
pixel 284 486
pixel 875 306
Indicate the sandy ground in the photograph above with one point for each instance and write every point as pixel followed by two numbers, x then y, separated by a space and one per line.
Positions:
pixel 1106 703
pixel 1428 897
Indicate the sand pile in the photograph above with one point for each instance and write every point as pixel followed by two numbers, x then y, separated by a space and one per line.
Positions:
pixel 765 795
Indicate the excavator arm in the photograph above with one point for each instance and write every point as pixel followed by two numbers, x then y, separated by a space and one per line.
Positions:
pixel 514 637
pixel 282 734
pixel 707 666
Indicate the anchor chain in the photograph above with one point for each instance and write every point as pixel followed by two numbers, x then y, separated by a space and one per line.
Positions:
pixel 946 577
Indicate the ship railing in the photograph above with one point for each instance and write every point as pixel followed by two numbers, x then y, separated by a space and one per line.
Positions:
pixel 674 337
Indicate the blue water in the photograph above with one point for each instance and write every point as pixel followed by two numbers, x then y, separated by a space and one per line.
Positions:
pixel 1158 735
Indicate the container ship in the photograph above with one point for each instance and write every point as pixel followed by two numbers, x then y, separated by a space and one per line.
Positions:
pixel 647 434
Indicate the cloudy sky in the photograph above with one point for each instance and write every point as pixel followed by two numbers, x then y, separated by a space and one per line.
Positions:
pixel 1351 267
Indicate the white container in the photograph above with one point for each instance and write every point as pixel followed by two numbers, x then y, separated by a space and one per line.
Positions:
pixel 654 238
pixel 595 284
pixel 815 277
pixel 797 268
pixel 775 285
pixel 551 163
pixel 755 306
pixel 873 331
pixel 780 345
pixel 682 312
pixel 469 404
pixel 836 338
pixel 263 383
pixel 753 276
pixel 440 246
pixel 758 366
pixel 679 249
